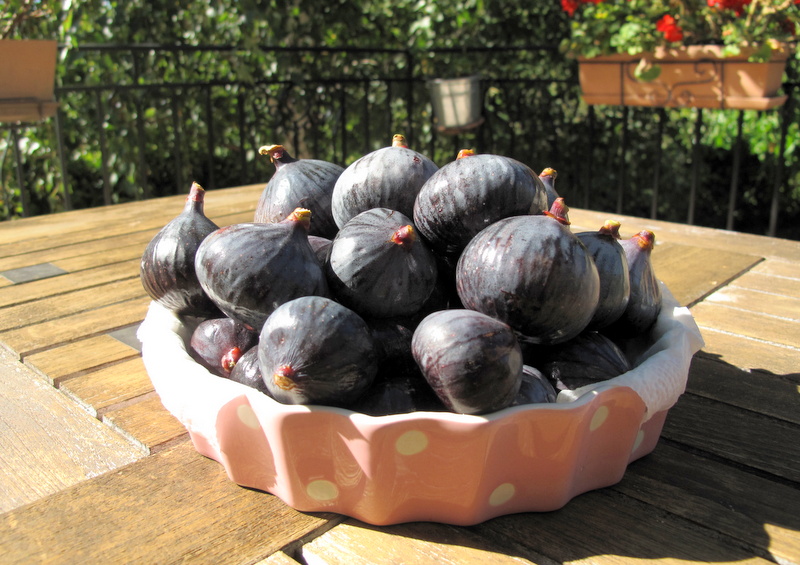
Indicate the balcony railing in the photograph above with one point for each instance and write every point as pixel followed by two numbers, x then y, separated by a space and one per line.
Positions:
pixel 140 121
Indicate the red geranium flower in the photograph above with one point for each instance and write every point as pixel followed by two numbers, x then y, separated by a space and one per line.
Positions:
pixel 671 30
pixel 736 5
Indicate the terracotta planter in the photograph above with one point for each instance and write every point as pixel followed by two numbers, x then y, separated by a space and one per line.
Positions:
pixel 697 76
pixel 28 69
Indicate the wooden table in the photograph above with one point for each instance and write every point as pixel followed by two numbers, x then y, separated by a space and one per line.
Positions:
pixel 723 484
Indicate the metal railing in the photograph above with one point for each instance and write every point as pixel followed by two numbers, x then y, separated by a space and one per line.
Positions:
pixel 161 132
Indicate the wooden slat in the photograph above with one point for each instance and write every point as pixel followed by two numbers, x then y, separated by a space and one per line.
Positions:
pixel 752 354
pixel 759 513
pixel 770 284
pixel 355 543
pixel 147 422
pixel 110 221
pixel 749 244
pixel 778 305
pixel 770 395
pixel 70 303
pixel 748 438
pixel 102 251
pixel 694 272
pixel 167 508
pixel 80 357
pixel 47 442
pixel 779 268
pixel 111 386
pixel 38 337
pixel 606 526
pixel 54 286
pixel 747 323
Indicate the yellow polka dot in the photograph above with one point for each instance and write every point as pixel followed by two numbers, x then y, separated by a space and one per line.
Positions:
pixel 502 494
pixel 411 443
pixel 247 416
pixel 322 490
pixel 639 440
pixel 598 418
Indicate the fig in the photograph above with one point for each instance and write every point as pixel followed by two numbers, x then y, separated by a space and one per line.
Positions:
pixel 219 343
pixel 167 269
pixel 612 266
pixel 298 183
pixel 248 371
pixel 389 177
pixel 548 177
pixel 473 362
pixel 250 269
pixel 535 388
pixel 470 193
pixel 320 245
pixel 644 304
pixel 588 358
pixel 313 350
pixel 379 267
pixel 399 394
pixel 532 273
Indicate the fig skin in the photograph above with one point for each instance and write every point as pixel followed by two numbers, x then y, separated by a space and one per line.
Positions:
pixel 612 266
pixel 219 343
pixel 298 183
pixel 535 388
pixel 586 359
pixel 644 304
pixel 313 350
pixel 389 177
pixel 250 269
pixel 472 361
pixel 167 268
pixel 532 273
pixel 248 371
pixel 472 192
pixel 379 267
pixel 548 177
pixel 399 393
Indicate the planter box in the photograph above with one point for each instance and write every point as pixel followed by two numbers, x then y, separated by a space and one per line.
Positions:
pixel 697 76
pixel 27 79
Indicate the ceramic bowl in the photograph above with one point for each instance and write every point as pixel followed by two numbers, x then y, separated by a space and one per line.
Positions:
pixel 424 466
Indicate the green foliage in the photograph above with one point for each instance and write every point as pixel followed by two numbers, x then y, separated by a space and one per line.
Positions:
pixel 334 80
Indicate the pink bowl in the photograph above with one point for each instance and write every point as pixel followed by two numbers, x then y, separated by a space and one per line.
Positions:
pixel 424 466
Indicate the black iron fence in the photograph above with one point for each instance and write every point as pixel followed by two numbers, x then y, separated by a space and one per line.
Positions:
pixel 140 121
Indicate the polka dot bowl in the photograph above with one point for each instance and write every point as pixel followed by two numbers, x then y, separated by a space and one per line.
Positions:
pixel 425 466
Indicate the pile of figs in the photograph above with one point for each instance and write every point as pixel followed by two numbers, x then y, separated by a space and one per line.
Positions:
pixel 393 285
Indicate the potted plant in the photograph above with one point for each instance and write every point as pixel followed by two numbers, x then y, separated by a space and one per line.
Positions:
pixel 27 67
pixel 674 53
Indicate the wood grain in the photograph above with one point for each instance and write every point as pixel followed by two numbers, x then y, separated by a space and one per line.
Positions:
pixel 771 395
pixel 758 512
pixel 355 543
pixel 745 437
pixel 54 286
pixel 751 354
pixel 38 337
pixel 48 443
pixel 110 386
pixel 80 357
pixel 747 323
pixel 170 507
pixel 605 526
pixel 74 302
pixel 147 423
pixel 691 273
